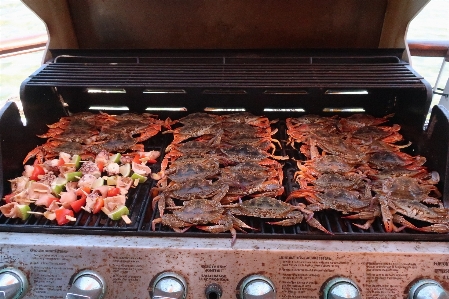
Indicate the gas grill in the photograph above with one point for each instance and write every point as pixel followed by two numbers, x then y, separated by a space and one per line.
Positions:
pixel 133 261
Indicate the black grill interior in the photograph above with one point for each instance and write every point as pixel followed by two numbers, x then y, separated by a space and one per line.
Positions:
pixel 277 85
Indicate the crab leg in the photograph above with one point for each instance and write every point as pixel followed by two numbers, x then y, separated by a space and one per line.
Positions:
pixel 387 217
pixel 287 222
pixel 177 225
pixel 160 202
pixel 369 216
pixel 219 229
pixel 436 228
pixel 401 220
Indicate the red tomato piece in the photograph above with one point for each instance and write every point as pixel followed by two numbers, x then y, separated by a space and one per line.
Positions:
pixel 100 165
pixel 8 197
pixel 61 214
pixel 113 192
pixel 82 192
pixel 78 204
pixel 137 159
pixel 61 162
pixel 98 205
pixel 37 170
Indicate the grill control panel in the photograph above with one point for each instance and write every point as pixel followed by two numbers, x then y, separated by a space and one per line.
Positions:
pixel 105 267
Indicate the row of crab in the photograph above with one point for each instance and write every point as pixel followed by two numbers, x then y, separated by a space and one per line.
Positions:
pixel 354 166
pixel 87 134
pixel 215 161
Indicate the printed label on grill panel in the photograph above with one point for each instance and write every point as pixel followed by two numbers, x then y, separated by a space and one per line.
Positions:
pixel 126 269
pixel 442 269
pixel 47 265
pixel 214 272
pixel 302 275
pixel 384 278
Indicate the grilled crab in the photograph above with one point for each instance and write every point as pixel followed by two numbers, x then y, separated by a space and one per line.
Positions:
pixel 342 200
pixel 300 129
pixel 194 130
pixel 191 149
pixel 118 143
pixel 250 178
pixel 409 188
pixel 268 207
pixel 356 121
pixel 76 130
pixel 389 159
pixel 335 146
pixel 248 153
pixel 198 118
pixel 313 168
pixel 185 169
pixel 52 148
pixel 189 190
pixel 262 143
pixel 348 181
pixel 338 199
pixel 247 118
pixel 199 213
pixel 234 129
pixel 394 210
pixel 135 126
pixel 251 170
pixel 405 195
pixel 369 133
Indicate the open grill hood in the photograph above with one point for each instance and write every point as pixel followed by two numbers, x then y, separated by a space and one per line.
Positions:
pixel 200 24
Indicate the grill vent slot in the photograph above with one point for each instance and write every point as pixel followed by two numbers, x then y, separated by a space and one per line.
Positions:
pixel 221 109
pixel 164 91
pixel 346 91
pixel 289 110
pixel 344 109
pixel 109 108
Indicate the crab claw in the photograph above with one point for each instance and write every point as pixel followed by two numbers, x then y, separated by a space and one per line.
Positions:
pixel 313 222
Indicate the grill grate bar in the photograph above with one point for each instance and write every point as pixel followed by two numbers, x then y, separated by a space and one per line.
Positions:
pixel 223 75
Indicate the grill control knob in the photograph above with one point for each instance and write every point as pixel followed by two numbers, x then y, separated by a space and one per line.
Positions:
pixel 13 283
pixel 168 285
pixel 339 288
pixel 87 284
pixel 427 289
pixel 257 287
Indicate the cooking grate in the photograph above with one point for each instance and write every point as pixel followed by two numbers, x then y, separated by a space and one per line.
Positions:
pixel 142 215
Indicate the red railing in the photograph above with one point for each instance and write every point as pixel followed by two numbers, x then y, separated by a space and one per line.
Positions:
pixel 23 45
pixel 425 48
pixel 428 48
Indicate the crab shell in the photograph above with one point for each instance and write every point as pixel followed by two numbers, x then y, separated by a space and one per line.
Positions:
pixel 247 118
pixel 266 207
